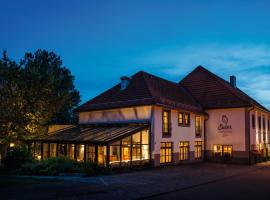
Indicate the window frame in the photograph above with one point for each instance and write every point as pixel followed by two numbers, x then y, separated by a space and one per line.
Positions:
pixel 198 134
pixel 198 155
pixel 166 147
pixel 184 154
pixel 180 123
pixel 168 134
pixel 184 114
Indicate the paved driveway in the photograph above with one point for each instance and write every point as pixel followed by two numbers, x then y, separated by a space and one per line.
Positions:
pixel 152 183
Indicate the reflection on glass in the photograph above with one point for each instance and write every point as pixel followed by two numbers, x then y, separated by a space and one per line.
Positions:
pixel 45 150
pixel 80 152
pixel 102 152
pixel 114 154
pixel 145 137
pixel 61 149
pixel 91 153
pixel 53 149
pixel 126 149
pixel 38 150
pixel 145 152
pixel 70 149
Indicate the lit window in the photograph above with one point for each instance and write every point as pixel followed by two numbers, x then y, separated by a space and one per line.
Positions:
pixel 180 119
pixel 91 154
pixel 198 126
pixel 166 122
pixel 46 150
pixel 126 144
pixel 102 152
pixel 53 147
pixel 166 152
pixel 80 152
pixel 222 150
pixel 217 150
pixel 187 119
pixel 183 119
pixel 198 149
pixel 227 150
pixel 184 151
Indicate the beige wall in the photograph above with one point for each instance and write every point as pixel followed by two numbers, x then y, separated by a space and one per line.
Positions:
pixel 178 133
pixel 234 136
pixel 116 115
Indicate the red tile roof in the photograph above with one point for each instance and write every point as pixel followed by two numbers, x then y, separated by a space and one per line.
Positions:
pixel 214 92
pixel 144 89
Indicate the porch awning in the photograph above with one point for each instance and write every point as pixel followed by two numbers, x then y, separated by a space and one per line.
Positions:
pixel 91 134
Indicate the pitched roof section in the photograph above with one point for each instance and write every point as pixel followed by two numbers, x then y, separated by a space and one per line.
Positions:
pixel 144 89
pixel 214 92
pixel 95 134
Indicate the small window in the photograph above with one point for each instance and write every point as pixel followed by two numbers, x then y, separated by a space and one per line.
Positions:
pixel 217 150
pixel 91 154
pixel 253 121
pixel 268 124
pixel 187 119
pixel 183 119
pixel 166 152
pixel 184 151
pixel 166 122
pixel 227 150
pixel 198 149
pixel 198 126
pixel 180 119
pixel 222 151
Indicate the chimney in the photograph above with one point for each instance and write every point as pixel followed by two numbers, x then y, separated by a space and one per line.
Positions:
pixel 125 81
pixel 233 81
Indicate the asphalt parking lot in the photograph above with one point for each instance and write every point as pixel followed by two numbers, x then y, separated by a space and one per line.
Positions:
pixel 204 180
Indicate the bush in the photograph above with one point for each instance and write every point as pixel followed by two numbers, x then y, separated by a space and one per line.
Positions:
pixel 16 157
pixel 59 165
pixel 91 169
pixel 51 166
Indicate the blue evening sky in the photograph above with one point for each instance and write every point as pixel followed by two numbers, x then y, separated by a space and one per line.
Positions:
pixel 99 41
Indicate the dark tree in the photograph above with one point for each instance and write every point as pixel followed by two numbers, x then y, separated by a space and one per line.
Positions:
pixel 34 93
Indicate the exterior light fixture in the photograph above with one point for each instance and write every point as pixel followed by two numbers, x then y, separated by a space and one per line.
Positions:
pixel 12 144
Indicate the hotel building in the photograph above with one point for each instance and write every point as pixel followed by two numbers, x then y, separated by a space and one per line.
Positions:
pixel 147 120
